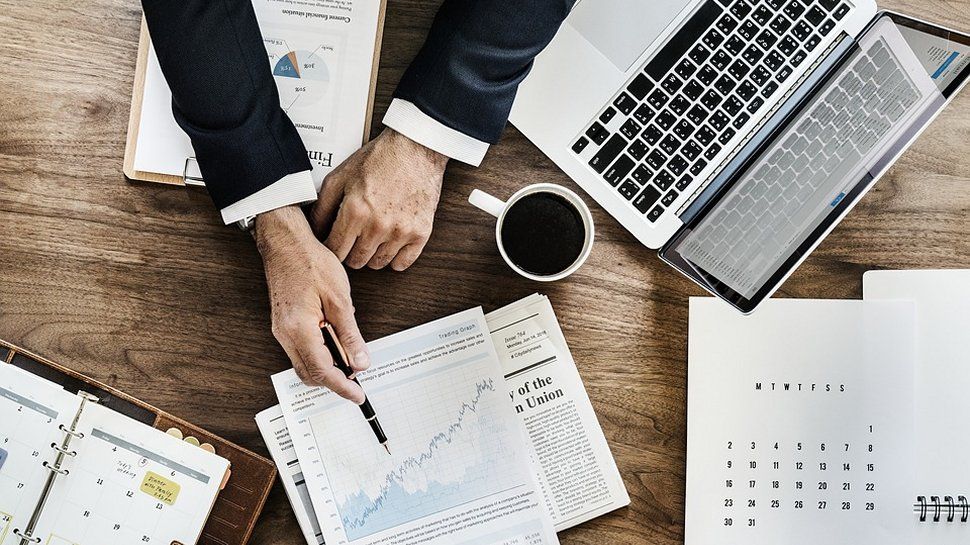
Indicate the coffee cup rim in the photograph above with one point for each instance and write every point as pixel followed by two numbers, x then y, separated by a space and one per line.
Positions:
pixel 576 201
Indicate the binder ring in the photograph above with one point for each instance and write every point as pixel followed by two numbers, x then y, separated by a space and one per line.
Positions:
pixel 966 508
pixel 936 508
pixel 948 500
pixel 25 535
pixel 71 453
pixel 72 433
pixel 57 469
pixel 922 508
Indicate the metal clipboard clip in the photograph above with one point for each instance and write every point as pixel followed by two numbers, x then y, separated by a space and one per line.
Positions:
pixel 191 174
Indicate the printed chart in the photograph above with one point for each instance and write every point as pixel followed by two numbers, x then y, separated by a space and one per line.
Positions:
pixel 303 75
pixel 448 447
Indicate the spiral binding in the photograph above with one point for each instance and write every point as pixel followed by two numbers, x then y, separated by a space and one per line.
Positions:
pixel 946 510
pixel 27 535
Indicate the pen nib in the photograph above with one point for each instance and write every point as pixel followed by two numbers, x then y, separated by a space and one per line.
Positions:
pixel 387 449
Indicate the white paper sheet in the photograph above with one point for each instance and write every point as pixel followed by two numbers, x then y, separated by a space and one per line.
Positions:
pixel 320 52
pixel 942 441
pixel 458 472
pixel 799 423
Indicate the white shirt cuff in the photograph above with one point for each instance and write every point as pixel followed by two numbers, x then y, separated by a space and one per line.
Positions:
pixel 296 188
pixel 407 119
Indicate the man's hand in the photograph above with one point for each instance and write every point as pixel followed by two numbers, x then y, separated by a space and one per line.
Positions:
pixel 377 207
pixel 308 285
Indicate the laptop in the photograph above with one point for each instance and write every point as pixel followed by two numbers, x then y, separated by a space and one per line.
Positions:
pixel 734 135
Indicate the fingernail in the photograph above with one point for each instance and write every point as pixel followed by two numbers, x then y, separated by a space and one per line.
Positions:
pixel 362 358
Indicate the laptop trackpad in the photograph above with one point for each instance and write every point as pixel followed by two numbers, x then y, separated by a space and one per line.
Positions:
pixel 622 29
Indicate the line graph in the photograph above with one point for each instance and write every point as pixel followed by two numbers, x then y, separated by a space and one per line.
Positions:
pixel 448 444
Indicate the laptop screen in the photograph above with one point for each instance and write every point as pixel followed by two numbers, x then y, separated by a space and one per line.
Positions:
pixel 793 185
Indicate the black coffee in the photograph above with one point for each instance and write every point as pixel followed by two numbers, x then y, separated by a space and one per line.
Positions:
pixel 543 234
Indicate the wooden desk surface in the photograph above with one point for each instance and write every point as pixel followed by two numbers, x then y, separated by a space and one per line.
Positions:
pixel 140 286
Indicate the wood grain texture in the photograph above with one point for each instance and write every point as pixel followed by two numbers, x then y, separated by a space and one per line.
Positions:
pixel 140 286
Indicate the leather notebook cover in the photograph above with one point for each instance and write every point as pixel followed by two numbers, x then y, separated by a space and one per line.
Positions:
pixel 252 476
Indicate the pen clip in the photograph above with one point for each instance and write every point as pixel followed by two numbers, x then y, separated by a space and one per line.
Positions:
pixel 337 352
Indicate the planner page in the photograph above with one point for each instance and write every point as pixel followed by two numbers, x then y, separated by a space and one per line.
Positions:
pixel 799 423
pixel 130 484
pixel 942 385
pixel 31 409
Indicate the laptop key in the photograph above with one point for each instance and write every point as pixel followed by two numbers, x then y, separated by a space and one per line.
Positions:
pixel 761 15
pixel 669 198
pixel 783 74
pixel 671 83
pixel 580 144
pixel 705 135
pixel 644 114
pixel 651 135
pixel 691 150
pixel 741 9
pixel 607 115
pixel 698 167
pixel 697 114
pixel 693 89
pixel 679 105
pixel 774 61
pixel 780 24
pixel 828 4
pixel 619 170
pixel 685 69
pixel 630 129
pixel 719 121
pixel 706 75
pixel 656 159
pixel 640 86
pixel 798 58
pixel 647 198
pixel 775 4
pixel 734 45
pixel 752 55
pixel 748 30
pixel 766 39
pixel 815 15
pixel 794 9
pixel 740 120
pixel 669 144
pixel 664 180
pixel 699 54
pixel 711 100
pixel 840 12
pixel 732 106
pixel 726 136
pixel 726 23
pixel 597 133
pixel 677 165
pixel 684 129
pixel 812 42
pixel 826 27
pixel 642 174
pixel 658 98
pixel 759 75
pixel 638 150
pixel 666 120
pixel 769 89
pixel 625 103
pixel 747 90
pixel 655 214
pixel 720 60
pixel 738 69
pixel 712 151
pixel 683 182
pixel 755 104
pixel 628 189
pixel 788 46
pixel 801 30
pixel 607 153
pixel 713 39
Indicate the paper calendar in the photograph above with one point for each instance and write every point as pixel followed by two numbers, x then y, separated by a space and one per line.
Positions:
pixel 800 423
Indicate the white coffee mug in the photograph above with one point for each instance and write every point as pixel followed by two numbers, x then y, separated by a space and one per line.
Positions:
pixel 498 208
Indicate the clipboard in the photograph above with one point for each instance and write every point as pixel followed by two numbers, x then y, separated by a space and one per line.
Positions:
pixel 251 477
pixel 191 175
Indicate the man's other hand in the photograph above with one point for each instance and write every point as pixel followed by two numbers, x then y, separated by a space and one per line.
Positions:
pixel 377 208
pixel 307 285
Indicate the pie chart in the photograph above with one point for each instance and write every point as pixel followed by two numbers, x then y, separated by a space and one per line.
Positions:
pixel 303 78
pixel 302 65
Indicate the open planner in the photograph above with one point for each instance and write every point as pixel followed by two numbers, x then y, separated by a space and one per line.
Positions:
pixel 82 463
pixel 832 422
pixel 73 472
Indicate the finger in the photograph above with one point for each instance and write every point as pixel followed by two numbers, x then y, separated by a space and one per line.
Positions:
pixel 341 317
pixel 343 235
pixel 325 209
pixel 363 250
pixel 407 256
pixel 308 343
pixel 384 254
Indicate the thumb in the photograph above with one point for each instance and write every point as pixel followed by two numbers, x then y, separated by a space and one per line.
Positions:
pixel 325 209
pixel 343 321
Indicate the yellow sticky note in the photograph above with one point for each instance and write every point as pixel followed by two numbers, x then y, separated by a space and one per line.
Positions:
pixel 160 488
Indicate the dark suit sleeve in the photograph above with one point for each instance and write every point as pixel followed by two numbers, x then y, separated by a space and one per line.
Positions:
pixel 475 56
pixel 223 95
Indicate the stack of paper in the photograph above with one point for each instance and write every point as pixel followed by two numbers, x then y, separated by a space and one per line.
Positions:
pixel 470 462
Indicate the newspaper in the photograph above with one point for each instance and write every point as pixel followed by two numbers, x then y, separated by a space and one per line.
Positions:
pixel 577 478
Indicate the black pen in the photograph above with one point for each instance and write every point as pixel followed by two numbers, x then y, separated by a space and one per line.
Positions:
pixel 340 362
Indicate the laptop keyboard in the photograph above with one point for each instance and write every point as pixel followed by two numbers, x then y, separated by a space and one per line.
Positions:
pixel 690 101
pixel 803 174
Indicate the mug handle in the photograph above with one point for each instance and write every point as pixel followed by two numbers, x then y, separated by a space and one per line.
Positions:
pixel 486 202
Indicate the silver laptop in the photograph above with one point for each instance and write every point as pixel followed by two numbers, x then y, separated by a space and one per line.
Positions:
pixel 733 135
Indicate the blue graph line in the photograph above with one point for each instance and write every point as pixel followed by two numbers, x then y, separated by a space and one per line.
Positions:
pixel 392 479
